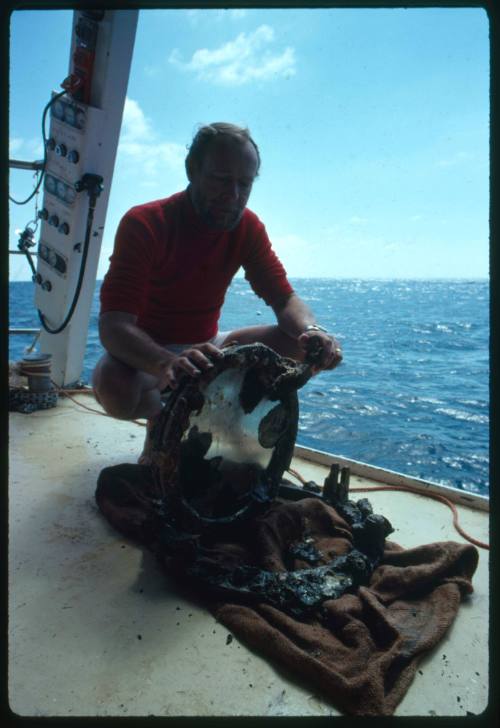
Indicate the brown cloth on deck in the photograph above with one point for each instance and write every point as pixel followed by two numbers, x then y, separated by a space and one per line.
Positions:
pixel 363 651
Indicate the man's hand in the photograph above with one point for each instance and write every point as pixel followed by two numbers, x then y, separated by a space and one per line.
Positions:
pixel 329 349
pixel 192 361
pixel 294 319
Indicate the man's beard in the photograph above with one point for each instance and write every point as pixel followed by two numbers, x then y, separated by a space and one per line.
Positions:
pixel 226 221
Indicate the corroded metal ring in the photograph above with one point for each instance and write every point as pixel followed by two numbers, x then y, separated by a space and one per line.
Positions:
pixel 224 439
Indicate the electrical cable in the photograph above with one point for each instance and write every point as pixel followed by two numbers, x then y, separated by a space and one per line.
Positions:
pixel 31 347
pixel 44 137
pixel 83 263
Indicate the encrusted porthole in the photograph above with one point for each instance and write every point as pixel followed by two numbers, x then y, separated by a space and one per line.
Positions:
pixel 224 440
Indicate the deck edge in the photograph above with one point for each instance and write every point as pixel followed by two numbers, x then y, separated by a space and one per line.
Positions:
pixel 391 477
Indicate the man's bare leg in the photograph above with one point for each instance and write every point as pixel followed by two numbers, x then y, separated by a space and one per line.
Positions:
pixel 124 392
pixel 127 394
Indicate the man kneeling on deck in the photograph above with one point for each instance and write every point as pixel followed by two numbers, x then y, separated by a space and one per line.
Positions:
pixel 172 264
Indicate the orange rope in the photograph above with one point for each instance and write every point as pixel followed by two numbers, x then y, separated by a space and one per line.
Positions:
pixel 299 477
pixel 66 393
pixel 409 489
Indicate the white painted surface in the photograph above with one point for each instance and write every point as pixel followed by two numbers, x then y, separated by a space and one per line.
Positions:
pixel 80 595
pixel 96 144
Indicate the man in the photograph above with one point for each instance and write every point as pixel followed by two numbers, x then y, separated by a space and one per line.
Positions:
pixel 172 264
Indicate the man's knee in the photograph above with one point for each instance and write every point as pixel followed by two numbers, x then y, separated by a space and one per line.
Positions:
pixel 117 387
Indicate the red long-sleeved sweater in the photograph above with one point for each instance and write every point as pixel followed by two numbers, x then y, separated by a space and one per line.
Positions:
pixel 173 271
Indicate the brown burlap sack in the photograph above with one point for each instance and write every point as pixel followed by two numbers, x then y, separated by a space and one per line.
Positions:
pixel 361 650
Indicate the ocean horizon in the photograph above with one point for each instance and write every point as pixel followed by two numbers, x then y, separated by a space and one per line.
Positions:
pixel 412 394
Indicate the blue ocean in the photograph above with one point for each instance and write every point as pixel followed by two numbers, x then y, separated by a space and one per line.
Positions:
pixel 412 394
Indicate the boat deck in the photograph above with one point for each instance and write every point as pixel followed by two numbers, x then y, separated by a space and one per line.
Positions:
pixel 97 629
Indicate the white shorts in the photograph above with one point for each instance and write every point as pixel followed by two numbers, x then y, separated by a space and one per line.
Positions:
pixel 216 340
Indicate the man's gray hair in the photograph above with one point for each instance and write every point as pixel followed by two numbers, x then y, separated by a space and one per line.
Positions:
pixel 218 130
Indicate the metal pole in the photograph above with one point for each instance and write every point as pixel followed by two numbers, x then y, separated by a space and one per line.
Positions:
pixel 24 331
pixel 18 164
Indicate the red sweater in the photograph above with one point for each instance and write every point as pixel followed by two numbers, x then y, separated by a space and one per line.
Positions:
pixel 172 271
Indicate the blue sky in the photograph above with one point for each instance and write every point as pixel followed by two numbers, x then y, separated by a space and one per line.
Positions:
pixel 373 127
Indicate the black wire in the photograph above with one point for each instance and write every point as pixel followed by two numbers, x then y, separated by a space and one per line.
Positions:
pixel 44 115
pixel 69 315
pixel 30 261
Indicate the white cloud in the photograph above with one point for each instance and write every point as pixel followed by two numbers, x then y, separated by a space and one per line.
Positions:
pixel 141 146
pixel 242 60
pixel 28 149
pixel 37 148
pixel 15 145
pixel 135 125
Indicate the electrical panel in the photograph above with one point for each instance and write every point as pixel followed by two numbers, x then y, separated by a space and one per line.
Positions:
pixel 73 145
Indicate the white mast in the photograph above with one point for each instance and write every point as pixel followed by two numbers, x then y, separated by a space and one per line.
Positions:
pixel 84 131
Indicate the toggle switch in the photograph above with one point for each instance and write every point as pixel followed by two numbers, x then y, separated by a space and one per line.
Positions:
pixel 54 220
pixel 61 150
pixel 43 214
pixel 63 228
pixel 51 143
pixel 73 156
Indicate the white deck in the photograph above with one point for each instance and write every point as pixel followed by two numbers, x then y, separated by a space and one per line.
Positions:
pixel 96 629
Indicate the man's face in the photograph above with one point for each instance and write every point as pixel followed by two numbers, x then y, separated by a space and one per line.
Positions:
pixel 221 186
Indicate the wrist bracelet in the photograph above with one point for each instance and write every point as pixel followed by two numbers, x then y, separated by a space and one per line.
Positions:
pixel 315 327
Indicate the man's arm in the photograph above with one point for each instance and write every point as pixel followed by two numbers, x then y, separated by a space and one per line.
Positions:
pixel 124 340
pixel 294 316
pixel 267 276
